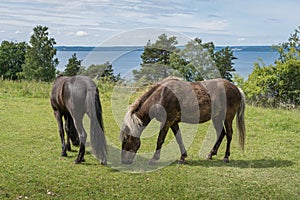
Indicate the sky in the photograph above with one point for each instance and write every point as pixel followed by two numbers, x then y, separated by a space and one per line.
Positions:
pixel 133 22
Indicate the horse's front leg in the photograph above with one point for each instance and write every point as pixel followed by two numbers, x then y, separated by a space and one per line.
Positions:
pixel 160 140
pixel 58 117
pixel 177 134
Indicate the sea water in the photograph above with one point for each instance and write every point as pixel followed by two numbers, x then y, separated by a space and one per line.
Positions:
pixel 125 59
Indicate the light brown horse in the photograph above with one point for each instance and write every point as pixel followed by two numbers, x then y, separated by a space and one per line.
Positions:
pixel 172 101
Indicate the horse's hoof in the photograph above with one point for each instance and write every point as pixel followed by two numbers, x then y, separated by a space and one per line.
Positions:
pixel 103 163
pixel 208 157
pixel 64 154
pixel 77 161
pixel 152 161
pixel 181 161
pixel 226 160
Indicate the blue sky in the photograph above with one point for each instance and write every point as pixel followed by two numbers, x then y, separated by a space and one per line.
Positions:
pixel 92 22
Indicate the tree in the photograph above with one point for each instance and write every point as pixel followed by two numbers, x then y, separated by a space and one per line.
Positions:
pixel 73 66
pixel 194 62
pixel 12 57
pixel 223 60
pixel 290 49
pixel 40 62
pixel 103 71
pixel 199 61
pixel 156 59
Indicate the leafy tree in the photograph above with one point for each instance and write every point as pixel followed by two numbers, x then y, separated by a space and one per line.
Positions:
pixel 156 59
pixel 103 71
pixel 194 62
pixel 73 66
pixel 12 57
pixel 40 62
pixel 198 61
pixel 223 60
pixel 290 49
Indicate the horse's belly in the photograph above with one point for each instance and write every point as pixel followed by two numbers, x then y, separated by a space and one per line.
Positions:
pixel 196 116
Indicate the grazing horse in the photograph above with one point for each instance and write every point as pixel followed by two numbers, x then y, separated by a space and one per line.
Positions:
pixel 172 101
pixel 72 98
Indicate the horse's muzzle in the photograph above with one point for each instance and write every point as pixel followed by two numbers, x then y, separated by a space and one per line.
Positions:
pixel 127 157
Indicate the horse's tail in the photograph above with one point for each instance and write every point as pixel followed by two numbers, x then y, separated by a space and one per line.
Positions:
pixel 97 136
pixel 240 121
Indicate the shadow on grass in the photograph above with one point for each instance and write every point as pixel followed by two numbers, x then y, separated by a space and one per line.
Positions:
pixel 262 163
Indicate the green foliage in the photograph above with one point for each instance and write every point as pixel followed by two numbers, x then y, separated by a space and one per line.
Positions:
pixel 289 50
pixel 156 59
pixel 104 72
pixel 223 60
pixel 274 85
pixel 238 80
pixel 40 62
pixel 195 61
pixel 199 61
pixel 73 66
pixel 12 57
pixel 277 85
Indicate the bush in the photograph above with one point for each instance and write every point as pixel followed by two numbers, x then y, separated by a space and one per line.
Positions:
pixel 274 86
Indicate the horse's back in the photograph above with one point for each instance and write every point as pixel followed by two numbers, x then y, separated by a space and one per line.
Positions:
pixel 69 91
pixel 212 98
pixel 225 96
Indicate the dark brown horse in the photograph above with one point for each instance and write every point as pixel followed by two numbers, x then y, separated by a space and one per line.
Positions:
pixel 172 101
pixel 72 98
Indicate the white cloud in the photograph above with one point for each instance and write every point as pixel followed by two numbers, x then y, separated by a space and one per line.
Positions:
pixel 81 33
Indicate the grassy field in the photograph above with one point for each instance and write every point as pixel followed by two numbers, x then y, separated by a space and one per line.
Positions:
pixel 31 166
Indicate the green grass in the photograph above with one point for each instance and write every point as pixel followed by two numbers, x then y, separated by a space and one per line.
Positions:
pixel 31 165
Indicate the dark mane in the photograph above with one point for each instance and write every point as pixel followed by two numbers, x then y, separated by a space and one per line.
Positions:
pixel 137 104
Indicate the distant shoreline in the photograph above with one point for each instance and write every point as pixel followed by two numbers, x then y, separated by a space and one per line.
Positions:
pixel 141 48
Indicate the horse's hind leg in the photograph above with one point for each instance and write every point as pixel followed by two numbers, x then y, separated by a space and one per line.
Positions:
pixel 58 117
pixel 71 132
pixel 177 134
pixel 82 136
pixel 67 128
pixel 218 125
pixel 228 125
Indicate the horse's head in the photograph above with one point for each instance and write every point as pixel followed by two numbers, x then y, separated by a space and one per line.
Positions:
pixel 130 137
pixel 130 145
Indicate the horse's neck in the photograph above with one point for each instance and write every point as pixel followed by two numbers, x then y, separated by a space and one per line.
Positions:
pixel 143 114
